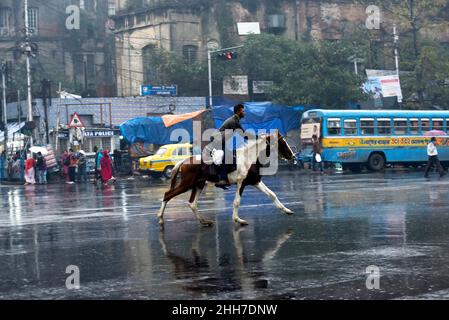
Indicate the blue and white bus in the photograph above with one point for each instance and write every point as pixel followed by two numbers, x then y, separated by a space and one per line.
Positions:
pixel 373 138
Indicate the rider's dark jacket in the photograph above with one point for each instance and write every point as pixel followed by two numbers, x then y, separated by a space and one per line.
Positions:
pixel 232 123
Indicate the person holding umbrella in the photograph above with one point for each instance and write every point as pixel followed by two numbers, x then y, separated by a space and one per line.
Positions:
pixel 432 152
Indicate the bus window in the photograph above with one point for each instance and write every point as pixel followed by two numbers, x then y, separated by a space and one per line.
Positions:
pixel 437 124
pixel 367 126
pixel 334 127
pixel 425 125
pixel 350 127
pixel 384 126
pixel 414 126
pixel 400 126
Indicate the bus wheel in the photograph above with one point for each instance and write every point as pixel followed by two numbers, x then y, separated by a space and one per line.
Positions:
pixel 376 162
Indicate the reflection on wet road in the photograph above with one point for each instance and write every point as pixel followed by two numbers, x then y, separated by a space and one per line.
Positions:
pixel 342 224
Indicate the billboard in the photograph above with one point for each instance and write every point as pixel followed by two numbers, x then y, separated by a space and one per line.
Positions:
pixel 235 85
pixel 383 84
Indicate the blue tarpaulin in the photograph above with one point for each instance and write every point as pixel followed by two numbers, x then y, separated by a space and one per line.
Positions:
pixel 152 130
pixel 262 115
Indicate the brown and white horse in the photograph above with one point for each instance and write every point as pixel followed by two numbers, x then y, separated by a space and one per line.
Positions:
pixel 248 173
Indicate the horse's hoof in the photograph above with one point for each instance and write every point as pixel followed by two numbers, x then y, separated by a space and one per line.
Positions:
pixel 207 223
pixel 241 222
pixel 288 212
pixel 161 222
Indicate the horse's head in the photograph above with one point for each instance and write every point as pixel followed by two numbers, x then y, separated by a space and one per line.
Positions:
pixel 283 148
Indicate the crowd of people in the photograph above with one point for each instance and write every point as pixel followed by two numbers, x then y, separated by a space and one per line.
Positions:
pixel 74 166
pixel 33 168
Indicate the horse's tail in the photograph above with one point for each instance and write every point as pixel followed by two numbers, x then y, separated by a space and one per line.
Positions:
pixel 174 174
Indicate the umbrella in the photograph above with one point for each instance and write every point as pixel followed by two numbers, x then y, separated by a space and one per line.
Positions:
pixel 434 133
pixel 42 150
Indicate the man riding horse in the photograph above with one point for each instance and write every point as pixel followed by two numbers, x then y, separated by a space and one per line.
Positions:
pixel 232 123
pixel 248 171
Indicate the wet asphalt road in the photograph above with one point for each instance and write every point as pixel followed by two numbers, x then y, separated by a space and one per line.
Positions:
pixel 343 223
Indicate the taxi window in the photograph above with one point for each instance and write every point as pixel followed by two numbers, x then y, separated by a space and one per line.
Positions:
pixel 161 151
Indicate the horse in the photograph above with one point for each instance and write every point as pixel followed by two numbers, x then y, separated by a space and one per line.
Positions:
pixel 194 178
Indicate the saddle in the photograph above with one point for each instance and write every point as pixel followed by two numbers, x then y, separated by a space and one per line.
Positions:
pixel 212 170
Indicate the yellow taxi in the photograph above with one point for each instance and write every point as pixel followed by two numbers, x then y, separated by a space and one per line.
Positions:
pixel 163 161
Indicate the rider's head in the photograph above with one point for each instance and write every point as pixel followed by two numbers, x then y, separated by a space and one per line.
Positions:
pixel 239 110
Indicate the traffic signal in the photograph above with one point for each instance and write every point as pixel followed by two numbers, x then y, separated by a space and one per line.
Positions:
pixel 229 55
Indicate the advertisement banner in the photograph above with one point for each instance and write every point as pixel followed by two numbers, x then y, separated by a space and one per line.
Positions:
pixel 383 84
pixel 235 85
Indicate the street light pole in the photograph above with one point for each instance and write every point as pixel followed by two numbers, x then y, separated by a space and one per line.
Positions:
pixel 28 53
pixel 5 115
pixel 209 60
pixel 396 58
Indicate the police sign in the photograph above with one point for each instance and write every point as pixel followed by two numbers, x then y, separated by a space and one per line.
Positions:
pixel 149 90
pixel 99 133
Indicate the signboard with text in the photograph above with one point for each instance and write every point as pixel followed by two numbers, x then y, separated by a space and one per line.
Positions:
pixel 149 90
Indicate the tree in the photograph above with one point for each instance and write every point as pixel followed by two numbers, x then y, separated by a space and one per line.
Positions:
pixel 415 18
pixel 316 73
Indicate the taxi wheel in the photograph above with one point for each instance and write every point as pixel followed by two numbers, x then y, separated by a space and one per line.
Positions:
pixel 167 172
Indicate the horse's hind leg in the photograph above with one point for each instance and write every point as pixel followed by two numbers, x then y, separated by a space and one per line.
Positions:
pixel 167 197
pixel 236 205
pixel 193 204
pixel 262 187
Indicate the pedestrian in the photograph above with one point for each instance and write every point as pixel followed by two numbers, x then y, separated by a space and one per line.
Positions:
pixel 65 160
pixel 106 167
pixel 432 152
pixel 30 164
pixel 41 167
pixel 82 167
pixel 98 155
pixel 72 166
pixel 316 154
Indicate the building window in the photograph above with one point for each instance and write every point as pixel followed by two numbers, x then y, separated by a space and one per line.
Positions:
pixel 350 127
pixel 148 69
pixel 367 126
pixel 111 7
pixel 5 16
pixel 33 20
pixel 190 54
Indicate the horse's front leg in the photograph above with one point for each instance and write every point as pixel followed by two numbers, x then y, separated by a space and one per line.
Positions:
pixel 262 187
pixel 235 214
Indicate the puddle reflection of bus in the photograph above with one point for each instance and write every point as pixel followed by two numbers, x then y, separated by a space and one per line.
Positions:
pixel 375 138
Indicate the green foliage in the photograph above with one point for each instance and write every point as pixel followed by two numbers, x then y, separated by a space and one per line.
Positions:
pixel 423 61
pixel 316 73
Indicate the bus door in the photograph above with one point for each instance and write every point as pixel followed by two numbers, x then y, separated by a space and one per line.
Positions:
pixel 309 128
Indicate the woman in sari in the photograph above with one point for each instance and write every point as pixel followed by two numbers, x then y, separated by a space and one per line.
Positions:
pixel 30 164
pixel 106 167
